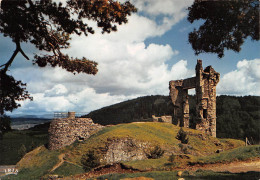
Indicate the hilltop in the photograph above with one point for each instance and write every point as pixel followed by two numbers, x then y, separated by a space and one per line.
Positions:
pixel 126 143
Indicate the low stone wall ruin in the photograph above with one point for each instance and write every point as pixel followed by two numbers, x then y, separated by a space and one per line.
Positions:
pixel 64 131
pixel 165 119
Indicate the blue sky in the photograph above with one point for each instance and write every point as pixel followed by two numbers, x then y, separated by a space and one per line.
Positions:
pixel 138 60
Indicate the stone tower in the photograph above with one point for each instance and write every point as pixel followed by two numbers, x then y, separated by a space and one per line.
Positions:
pixel 205 84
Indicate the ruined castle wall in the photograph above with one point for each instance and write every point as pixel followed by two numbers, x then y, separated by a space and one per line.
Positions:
pixel 205 84
pixel 64 131
pixel 206 114
pixel 179 97
pixel 189 83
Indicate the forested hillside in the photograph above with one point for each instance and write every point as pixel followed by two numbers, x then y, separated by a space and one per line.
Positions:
pixel 137 109
pixel 237 117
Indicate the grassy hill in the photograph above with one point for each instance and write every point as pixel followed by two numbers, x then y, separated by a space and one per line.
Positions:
pixel 40 161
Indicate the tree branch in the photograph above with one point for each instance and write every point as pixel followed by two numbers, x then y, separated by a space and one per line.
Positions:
pixel 11 60
pixel 17 50
pixel 2 65
pixel 24 55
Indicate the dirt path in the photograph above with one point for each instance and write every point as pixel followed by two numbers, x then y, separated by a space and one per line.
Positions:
pixel 61 161
pixel 234 167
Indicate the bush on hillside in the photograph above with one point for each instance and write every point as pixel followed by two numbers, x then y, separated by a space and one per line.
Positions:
pixel 155 153
pixel 171 158
pixel 90 160
pixel 182 136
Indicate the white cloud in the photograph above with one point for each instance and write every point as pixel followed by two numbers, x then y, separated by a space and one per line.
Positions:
pixel 57 90
pixel 169 12
pixel 166 7
pixel 84 93
pixel 245 80
pixel 137 29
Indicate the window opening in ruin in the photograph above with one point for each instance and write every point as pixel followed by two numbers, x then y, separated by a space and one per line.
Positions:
pixel 204 113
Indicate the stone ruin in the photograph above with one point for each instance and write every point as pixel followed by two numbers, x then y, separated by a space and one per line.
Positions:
pixel 205 84
pixel 64 131
pixel 165 119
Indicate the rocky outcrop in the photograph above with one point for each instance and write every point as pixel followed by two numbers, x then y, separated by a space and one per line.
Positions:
pixel 125 149
pixel 64 131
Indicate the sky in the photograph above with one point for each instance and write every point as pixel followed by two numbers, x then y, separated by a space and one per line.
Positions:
pixel 138 60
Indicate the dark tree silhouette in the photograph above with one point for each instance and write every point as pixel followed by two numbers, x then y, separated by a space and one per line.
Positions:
pixel 226 25
pixel 5 125
pixel 11 92
pixel 48 25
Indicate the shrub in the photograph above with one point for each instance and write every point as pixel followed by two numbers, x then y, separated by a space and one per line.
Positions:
pixel 171 158
pixel 155 153
pixel 90 160
pixel 185 148
pixel 182 136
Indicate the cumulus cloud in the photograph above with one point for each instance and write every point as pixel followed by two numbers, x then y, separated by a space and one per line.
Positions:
pixel 168 12
pixel 59 90
pixel 245 80
pixel 167 7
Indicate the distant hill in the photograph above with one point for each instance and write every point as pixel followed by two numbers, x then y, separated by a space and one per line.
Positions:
pixel 27 122
pixel 237 117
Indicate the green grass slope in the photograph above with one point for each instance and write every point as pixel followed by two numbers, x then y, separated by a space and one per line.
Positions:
pixel 240 154
pixel 40 161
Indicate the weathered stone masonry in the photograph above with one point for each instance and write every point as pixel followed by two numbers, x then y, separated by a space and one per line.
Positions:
pixel 205 84
pixel 64 131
